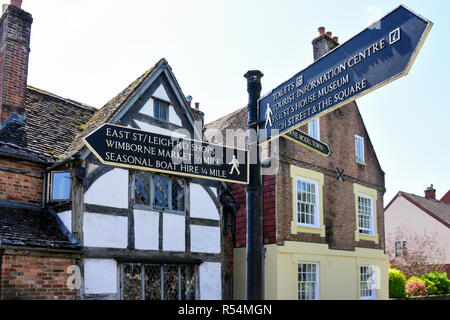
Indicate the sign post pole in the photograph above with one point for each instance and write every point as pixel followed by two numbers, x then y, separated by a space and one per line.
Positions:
pixel 254 192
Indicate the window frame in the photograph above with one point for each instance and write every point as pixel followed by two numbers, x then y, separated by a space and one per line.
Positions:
pixel 160 102
pixel 317 126
pixel 317 287
pixel 361 159
pixel 316 204
pixel 372 219
pixel 151 206
pixel 372 286
pixel 51 184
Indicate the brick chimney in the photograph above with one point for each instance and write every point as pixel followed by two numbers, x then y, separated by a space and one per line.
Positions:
pixel 323 43
pixel 15 30
pixel 430 193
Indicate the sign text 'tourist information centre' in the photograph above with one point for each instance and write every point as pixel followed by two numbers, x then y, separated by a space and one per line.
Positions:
pixel 131 148
pixel 374 57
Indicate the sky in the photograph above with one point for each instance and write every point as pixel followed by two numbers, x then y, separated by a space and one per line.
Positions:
pixel 89 51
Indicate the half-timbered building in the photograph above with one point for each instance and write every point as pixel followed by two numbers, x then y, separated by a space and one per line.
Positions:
pixel 114 233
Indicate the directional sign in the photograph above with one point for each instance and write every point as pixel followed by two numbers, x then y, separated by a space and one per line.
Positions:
pixel 302 138
pixel 131 148
pixel 374 57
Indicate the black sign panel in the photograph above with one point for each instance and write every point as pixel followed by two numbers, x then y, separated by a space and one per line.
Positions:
pixel 131 148
pixel 307 141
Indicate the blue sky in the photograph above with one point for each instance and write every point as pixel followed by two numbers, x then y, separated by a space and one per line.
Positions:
pixel 90 50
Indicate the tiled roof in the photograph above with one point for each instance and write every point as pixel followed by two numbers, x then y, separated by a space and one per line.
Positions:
pixel 22 225
pixel 446 197
pixel 235 120
pixel 108 111
pixel 51 123
pixel 435 208
pixel 103 115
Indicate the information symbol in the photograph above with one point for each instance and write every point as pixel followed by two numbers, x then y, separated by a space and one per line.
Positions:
pixel 394 36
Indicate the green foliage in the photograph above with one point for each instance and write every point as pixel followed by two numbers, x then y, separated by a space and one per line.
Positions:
pixel 431 286
pixel 439 281
pixel 397 284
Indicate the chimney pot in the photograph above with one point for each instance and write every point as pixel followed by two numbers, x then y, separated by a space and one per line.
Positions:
pixel 321 30
pixel 16 3
pixel 328 33
pixel 430 193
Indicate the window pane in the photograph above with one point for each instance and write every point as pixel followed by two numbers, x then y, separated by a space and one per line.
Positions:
pixel 178 191
pixel 170 282
pixel 142 189
pixel 152 282
pixel 61 186
pixel 188 283
pixel 163 111
pixel 161 191
pixel 132 289
pixel 156 109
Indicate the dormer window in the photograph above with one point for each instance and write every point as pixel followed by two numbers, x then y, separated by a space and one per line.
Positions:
pixel 161 110
pixel 59 186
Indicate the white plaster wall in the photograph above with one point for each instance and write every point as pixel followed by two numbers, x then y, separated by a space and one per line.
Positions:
pixel 174 226
pixel 173 117
pixel 161 93
pixel 155 129
pixel 205 239
pixel 210 274
pixel 146 230
pixel 202 206
pixel 111 189
pixel 100 276
pixel 66 218
pixel 404 214
pixel 103 230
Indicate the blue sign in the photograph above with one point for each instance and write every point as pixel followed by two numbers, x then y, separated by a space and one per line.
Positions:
pixel 374 57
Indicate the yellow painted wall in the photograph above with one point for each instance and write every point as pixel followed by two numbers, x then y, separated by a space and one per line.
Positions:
pixel 338 271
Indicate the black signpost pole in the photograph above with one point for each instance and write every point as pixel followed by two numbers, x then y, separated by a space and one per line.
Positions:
pixel 254 192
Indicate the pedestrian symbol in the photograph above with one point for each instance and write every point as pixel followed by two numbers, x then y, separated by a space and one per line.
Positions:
pixel 235 165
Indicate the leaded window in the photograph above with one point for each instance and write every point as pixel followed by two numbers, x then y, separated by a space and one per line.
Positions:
pixel 141 281
pixel 159 192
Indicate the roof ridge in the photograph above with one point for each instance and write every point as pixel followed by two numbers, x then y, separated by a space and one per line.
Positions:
pixel 413 194
pixel 73 102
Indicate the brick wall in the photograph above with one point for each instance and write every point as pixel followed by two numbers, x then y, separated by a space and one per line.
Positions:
pixel 35 277
pixel 337 129
pixel 20 182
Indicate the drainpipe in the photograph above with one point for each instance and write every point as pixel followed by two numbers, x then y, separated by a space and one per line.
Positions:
pixel 1 260
pixel 44 191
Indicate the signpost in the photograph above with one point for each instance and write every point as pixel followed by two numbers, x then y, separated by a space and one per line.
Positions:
pixel 302 138
pixel 374 57
pixel 131 148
